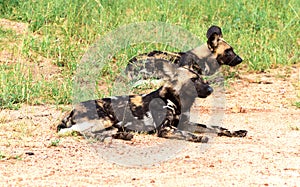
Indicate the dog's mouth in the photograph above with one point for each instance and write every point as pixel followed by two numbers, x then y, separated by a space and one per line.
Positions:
pixel 235 61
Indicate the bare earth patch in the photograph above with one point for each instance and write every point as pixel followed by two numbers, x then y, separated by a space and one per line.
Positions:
pixel 32 154
pixel 41 67
pixel 18 27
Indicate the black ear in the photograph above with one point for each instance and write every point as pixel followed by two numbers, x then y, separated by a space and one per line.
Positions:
pixel 213 34
pixel 212 42
pixel 214 30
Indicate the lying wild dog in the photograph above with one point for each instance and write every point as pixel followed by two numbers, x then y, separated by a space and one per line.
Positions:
pixel 163 111
pixel 204 59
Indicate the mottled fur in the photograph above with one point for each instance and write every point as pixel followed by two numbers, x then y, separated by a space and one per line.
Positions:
pixel 205 59
pixel 162 111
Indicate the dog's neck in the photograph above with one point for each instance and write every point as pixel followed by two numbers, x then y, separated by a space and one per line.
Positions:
pixel 205 58
pixel 202 51
pixel 184 97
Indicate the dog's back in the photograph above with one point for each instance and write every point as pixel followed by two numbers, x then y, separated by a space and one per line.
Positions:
pixel 205 59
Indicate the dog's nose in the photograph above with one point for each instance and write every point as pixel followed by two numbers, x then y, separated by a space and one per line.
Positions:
pixel 210 90
pixel 239 59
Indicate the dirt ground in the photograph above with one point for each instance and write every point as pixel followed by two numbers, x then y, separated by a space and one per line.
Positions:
pixel 32 154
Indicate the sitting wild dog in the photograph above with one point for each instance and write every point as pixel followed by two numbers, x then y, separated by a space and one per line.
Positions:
pixel 205 59
pixel 160 111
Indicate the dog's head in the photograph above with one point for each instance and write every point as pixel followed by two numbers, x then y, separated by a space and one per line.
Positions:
pixel 220 48
pixel 185 81
pixel 202 87
pixel 192 81
pixel 197 83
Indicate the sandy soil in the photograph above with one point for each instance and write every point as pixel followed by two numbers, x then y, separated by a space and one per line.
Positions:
pixel 32 154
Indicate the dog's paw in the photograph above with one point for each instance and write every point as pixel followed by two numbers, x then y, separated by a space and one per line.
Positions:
pixel 239 133
pixel 204 139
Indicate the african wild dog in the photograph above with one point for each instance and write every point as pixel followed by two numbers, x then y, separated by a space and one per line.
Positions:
pixel 160 111
pixel 204 59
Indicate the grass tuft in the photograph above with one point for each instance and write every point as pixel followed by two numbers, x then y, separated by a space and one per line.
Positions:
pixel 55 143
pixel 297 104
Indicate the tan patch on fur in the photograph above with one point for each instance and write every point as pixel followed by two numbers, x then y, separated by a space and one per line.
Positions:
pixel 222 46
pixel 163 91
pixel 107 122
pixel 101 124
pixel 100 103
pixel 137 100
pixel 167 86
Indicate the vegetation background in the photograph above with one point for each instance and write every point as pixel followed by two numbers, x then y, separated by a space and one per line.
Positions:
pixel 37 66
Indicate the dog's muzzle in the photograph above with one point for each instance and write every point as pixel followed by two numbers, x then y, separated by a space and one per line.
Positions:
pixel 237 60
pixel 205 92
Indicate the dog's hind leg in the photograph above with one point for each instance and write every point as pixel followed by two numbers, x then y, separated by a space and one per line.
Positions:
pixel 123 135
pixel 110 132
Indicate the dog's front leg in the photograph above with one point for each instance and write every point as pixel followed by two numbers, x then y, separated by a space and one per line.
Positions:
pixel 174 133
pixel 168 129
pixel 220 131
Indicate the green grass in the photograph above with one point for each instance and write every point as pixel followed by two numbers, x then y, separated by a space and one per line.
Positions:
pixel 2 156
pixel 55 143
pixel 18 86
pixel 5 157
pixel 264 33
pixel 297 104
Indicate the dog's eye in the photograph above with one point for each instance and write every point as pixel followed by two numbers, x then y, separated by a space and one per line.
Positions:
pixel 194 79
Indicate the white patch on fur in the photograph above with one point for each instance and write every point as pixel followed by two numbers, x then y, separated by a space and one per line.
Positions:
pixel 170 105
pixel 81 127
pixel 114 98
pixel 148 120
